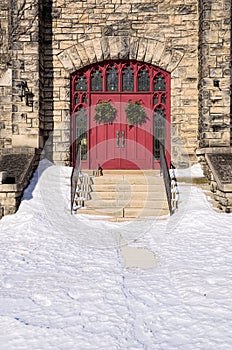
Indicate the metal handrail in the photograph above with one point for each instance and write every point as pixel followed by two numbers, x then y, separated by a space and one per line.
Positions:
pixel 166 176
pixel 75 175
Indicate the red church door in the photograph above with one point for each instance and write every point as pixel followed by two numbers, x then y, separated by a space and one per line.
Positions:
pixel 127 112
pixel 118 145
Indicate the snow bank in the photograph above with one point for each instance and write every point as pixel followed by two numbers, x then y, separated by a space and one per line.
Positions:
pixel 64 285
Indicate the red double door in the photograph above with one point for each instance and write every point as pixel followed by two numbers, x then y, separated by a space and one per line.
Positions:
pixel 118 145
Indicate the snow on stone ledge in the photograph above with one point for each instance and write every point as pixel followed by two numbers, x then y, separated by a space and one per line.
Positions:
pixel 194 171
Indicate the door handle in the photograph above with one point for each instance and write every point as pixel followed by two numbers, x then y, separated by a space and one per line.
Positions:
pixel 123 139
pixel 117 139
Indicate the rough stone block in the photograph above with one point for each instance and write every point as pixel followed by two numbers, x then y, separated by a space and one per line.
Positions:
pixel 114 47
pixel 149 51
pixel 158 53
pixel 124 47
pixel 142 49
pixel 90 51
pixel 82 53
pixel 66 61
pixel 74 56
pixel 6 77
pixel 134 44
pixel 98 49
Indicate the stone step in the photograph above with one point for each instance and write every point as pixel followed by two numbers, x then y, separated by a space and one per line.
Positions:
pixel 128 195
pixel 124 187
pixel 131 179
pixel 124 172
pixel 144 212
pixel 135 203
pixel 114 212
pixel 125 212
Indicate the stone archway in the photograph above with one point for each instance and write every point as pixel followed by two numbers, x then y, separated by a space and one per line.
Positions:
pixel 142 49
pixel 114 47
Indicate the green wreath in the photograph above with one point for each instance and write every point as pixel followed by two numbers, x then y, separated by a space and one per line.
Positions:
pixel 105 112
pixel 135 113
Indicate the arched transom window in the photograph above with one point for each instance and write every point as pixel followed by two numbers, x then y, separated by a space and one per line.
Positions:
pixel 119 77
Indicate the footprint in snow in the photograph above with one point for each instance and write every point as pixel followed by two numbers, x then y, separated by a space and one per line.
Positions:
pixel 7 282
pixel 41 300
pixel 74 294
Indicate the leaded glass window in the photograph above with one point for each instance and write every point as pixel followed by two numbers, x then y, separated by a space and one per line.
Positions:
pixel 128 79
pixel 96 81
pixel 81 84
pixel 85 99
pixel 143 80
pixel 112 79
pixel 77 99
pixel 159 130
pixel 155 99
pixel 159 83
pixel 81 131
pixel 163 99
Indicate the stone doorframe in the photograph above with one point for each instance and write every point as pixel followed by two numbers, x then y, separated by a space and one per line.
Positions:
pixel 98 49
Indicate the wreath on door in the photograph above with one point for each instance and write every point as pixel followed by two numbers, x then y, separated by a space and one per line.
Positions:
pixel 135 113
pixel 105 112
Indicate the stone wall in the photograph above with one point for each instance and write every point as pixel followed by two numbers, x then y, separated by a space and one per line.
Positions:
pixel 5 78
pixel 21 53
pixel 46 78
pixel 215 65
pixel 217 167
pixel 18 164
pixel 163 33
pixel 43 42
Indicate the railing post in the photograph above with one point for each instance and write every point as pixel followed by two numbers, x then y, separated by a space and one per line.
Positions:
pixel 75 175
pixel 166 176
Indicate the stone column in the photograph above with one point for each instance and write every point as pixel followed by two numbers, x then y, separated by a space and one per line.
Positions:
pixel 214 73
pixel 5 78
pixel 24 45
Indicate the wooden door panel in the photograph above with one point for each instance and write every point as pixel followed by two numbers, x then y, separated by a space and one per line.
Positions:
pixel 139 139
pixel 102 140
pixel 118 145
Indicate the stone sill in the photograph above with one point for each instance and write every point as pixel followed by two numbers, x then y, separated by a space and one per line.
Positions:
pixel 221 186
pixel 18 150
pixel 10 188
pixel 225 187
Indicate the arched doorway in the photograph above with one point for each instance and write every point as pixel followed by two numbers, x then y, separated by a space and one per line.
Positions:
pixel 120 113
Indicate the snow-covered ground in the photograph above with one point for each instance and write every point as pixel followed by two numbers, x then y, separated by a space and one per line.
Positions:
pixel 64 285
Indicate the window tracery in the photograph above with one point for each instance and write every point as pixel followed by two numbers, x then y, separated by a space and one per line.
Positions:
pixel 81 84
pixel 128 79
pixel 159 83
pixel 143 80
pixel 122 77
pixel 96 81
pixel 112 79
